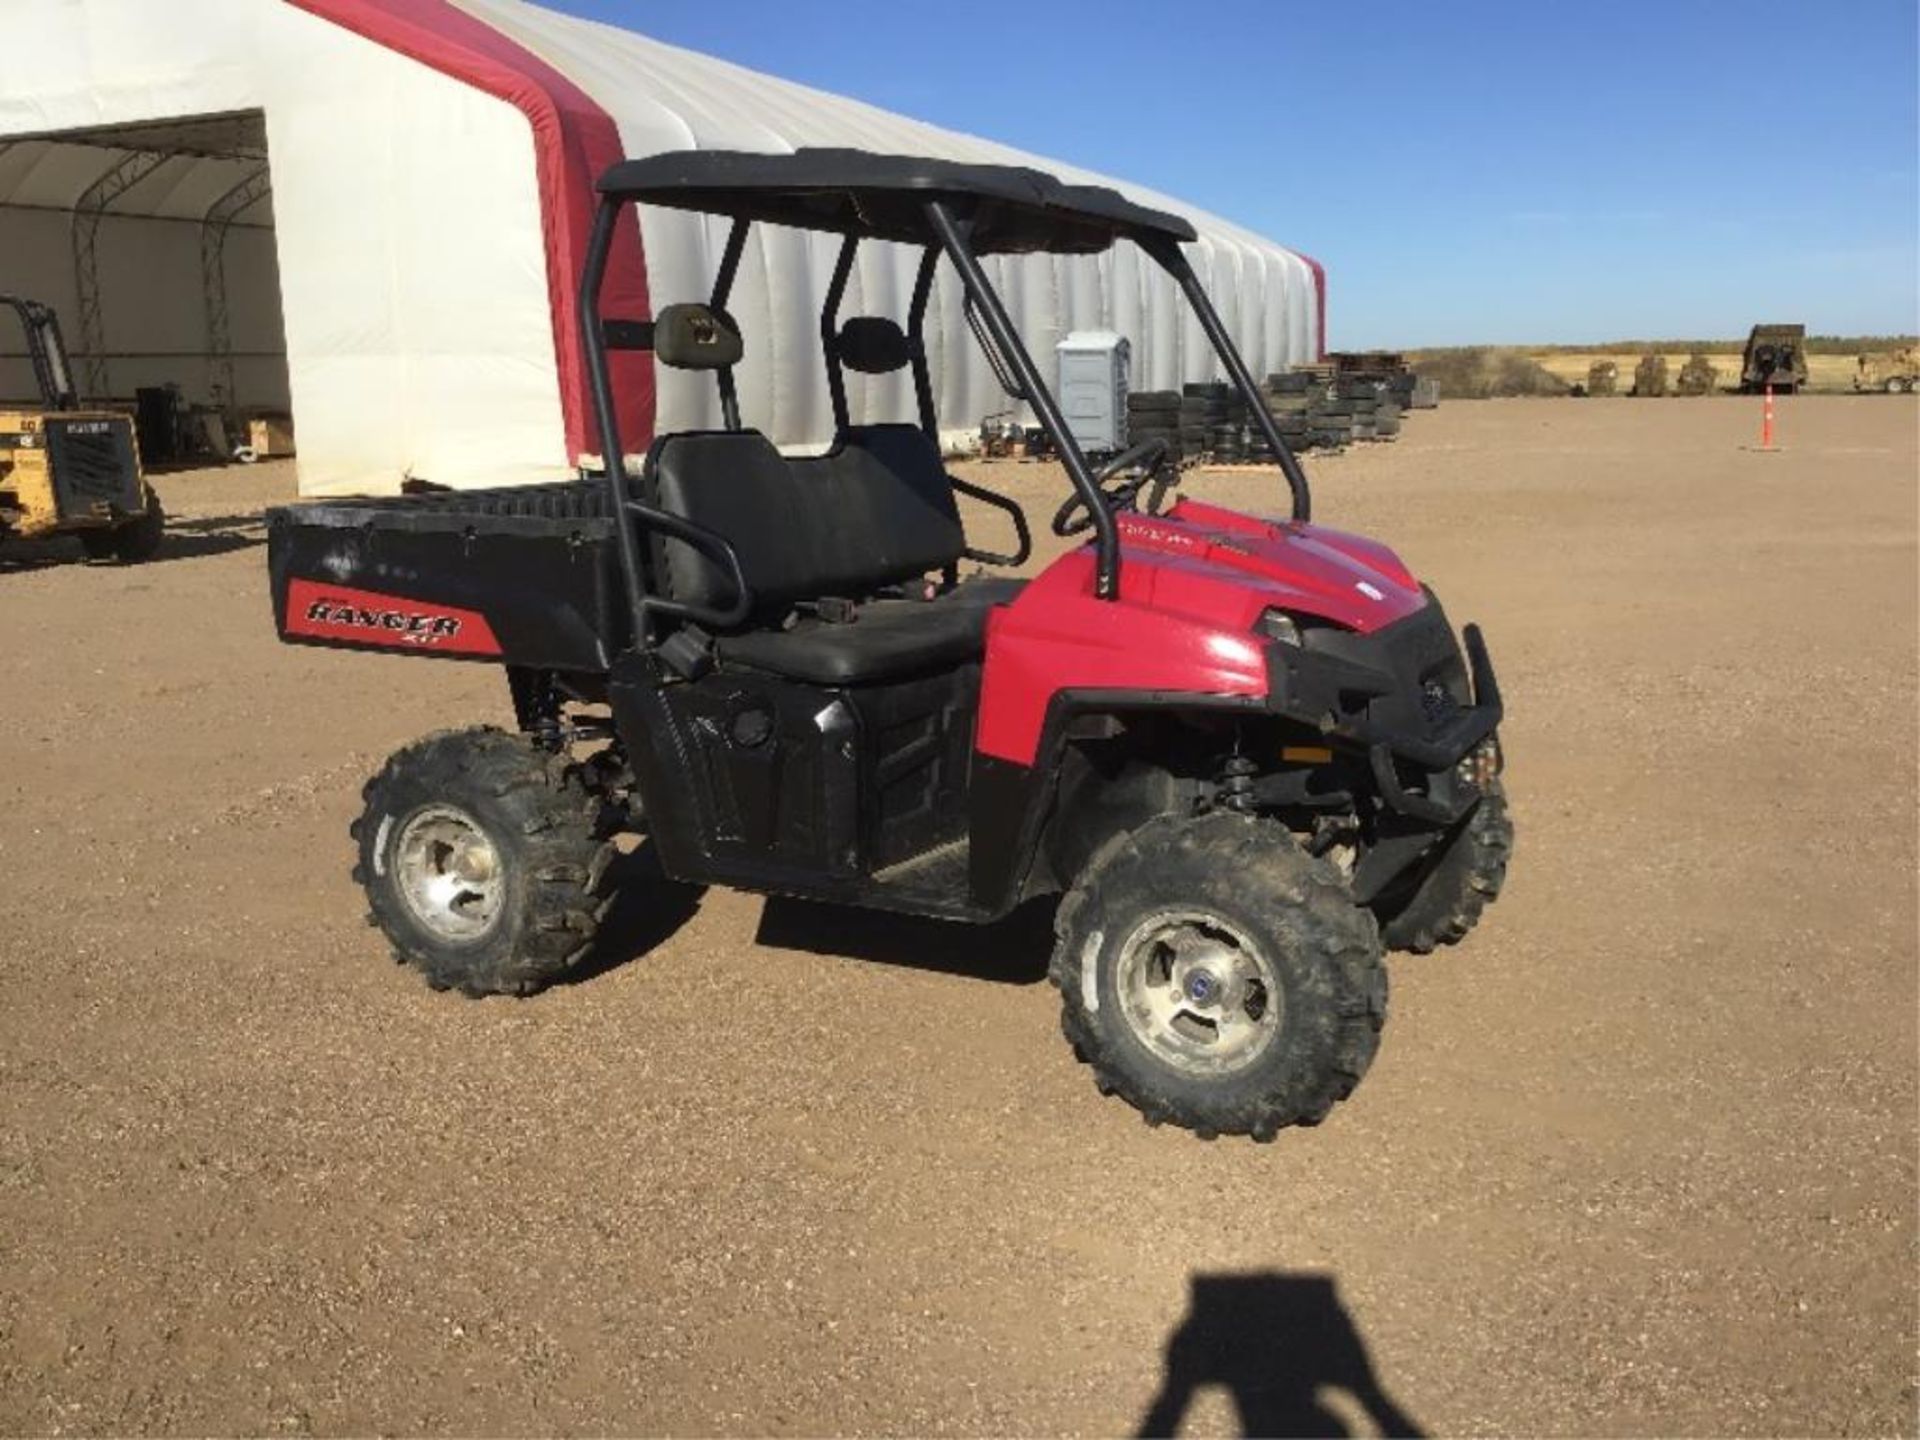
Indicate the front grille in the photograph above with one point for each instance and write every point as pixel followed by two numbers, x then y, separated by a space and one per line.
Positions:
pixel 1437 703
pixel 93 465
pixel 1420 659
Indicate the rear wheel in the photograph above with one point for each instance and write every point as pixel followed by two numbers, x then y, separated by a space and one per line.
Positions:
pixel 483 861
pixel 1215 975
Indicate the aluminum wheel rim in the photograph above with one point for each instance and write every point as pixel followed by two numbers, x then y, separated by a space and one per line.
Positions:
pixel 1198 993
pixel 448 873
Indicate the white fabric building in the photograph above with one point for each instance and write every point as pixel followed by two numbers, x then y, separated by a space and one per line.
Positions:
pixel 372 212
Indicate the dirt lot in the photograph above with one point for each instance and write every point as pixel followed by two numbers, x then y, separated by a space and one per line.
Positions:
pixel 1638 1158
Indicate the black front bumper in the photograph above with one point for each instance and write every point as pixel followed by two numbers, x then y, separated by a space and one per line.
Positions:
pixel 1404 695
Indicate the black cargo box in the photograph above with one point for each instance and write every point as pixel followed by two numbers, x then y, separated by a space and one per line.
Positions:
pixel 526 576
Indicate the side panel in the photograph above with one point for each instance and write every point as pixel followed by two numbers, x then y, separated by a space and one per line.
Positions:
pixel 917 739
pixel 548 600
pixel 799 789
pixel 773 772
pixel 1058 637
pixel 26 493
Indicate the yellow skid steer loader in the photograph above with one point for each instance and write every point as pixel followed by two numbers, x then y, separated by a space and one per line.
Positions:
pixel 65 470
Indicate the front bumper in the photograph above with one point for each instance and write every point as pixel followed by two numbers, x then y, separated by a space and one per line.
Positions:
pixel 1404 696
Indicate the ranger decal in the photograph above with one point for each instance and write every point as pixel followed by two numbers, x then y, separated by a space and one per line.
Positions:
pixel 362 617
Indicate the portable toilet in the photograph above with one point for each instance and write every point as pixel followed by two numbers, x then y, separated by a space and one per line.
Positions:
pixel 1093 389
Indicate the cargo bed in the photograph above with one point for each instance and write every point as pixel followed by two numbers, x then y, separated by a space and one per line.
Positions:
pixel 527 575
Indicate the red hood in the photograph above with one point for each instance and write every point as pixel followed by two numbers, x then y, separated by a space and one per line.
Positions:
pixel 1219 564
pixel 1193 583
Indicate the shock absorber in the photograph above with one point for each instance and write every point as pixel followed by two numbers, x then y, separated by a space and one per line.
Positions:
pixel 536 706
pixel 1236 784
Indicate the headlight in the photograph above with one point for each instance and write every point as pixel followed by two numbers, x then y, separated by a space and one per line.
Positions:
pixel 1278 625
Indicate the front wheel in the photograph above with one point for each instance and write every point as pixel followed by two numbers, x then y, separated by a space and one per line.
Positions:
pixel 483 861
pixel 131 541
pixel 1217 976
pixel 1458 882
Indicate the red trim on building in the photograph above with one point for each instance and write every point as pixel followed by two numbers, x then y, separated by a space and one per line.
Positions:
pixel 1320 299
pixel 574 140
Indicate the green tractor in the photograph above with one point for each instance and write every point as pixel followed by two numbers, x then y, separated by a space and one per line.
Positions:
pixel 1776 359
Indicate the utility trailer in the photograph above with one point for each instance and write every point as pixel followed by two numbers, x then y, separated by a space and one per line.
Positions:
pixel 1895 373
pixel 1247 754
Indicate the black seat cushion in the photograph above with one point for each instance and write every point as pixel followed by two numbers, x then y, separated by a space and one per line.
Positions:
pixel 889 639
pixel 875 511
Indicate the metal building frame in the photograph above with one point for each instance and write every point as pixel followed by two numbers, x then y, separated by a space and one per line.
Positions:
pixel 219 219
pixel 88 211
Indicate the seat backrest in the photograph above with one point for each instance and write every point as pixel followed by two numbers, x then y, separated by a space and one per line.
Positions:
pixel 889 503
pixel 876 510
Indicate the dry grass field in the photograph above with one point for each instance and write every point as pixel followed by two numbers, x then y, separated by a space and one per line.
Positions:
pixel 1824 372
pixel 1637 1158
pixel 1511 370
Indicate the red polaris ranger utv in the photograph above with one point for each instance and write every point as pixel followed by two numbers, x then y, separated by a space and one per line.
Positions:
pixel 1248 753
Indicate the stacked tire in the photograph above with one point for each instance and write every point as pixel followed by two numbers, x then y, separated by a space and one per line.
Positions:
pixel 1203 415
pixel 1331 417
pixel 1313 407
pixel 1333 428
pixel 1154 415
pixel 1290 400
pixel 1222 420
pixel 1362 400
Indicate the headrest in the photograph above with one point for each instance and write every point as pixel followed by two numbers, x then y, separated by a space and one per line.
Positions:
pixel 696 337
pixel 873 345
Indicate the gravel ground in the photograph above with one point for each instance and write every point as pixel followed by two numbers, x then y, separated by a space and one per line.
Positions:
pixel 1637 1158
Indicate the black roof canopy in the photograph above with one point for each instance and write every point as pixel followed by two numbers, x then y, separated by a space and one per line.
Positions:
pixel 882 197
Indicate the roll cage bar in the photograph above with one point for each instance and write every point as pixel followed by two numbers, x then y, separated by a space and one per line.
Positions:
pixel 46 352
pixel 959 210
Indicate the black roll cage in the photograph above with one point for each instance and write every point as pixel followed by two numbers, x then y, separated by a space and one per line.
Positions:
pixel 947 223
pixel 46 352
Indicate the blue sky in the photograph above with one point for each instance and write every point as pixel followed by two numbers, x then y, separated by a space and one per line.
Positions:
pixel 1546 172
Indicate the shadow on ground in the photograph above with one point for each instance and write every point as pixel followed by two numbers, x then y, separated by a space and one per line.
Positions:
pixel 1283 1347
pixel 185 540
pixel 647 910
pixel 1013 951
